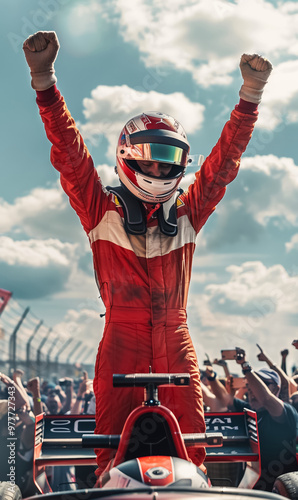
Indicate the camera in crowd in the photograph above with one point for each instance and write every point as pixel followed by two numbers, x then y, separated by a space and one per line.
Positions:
pixel 64 382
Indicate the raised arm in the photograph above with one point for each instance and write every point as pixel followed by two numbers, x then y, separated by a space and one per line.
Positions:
pixel 261 392
pixel 287 385
pixel 69 154
pixel 34 388
pixel 221 166
pixel 223 398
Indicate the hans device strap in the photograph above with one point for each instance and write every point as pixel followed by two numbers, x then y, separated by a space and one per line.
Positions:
pixel 135 215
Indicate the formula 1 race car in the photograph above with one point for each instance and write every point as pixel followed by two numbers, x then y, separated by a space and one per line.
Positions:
pixel 151 460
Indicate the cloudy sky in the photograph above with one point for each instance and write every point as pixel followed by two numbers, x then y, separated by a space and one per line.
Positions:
pixel 117 59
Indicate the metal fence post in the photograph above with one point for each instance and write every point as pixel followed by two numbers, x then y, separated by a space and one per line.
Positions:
pixel 49 356
pixel 62 348
pixel 28 345
pixel 39 350
pixel 73 351
pixel 80 353
pixel 88 354
pixel 13 341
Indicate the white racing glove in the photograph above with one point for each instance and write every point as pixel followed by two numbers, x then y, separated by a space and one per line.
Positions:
pixel 255 72
pixel 41 50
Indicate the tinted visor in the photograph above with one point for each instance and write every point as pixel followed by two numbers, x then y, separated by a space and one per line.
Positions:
pixel 164 153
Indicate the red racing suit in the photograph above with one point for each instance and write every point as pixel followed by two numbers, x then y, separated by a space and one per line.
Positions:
pixel 144 279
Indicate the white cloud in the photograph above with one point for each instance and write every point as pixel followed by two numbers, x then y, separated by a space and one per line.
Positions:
pixel 208 38
pixel 35 253
pixel 46 213
pixel 257 304
pixel 35 268
pixel 82 18
pixel 282 85
pixel 292 244
pixel 276 188
pixel 203 277
pixel 265 192
pixel 253 285
pixel 36 204
pixel 83 323
pixel 201 39
pixel 107 175
pixel 280 98
pixel 109 108
pixel 43 213
pixel 82 27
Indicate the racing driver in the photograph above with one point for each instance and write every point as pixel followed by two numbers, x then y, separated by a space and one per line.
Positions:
pixel 142 235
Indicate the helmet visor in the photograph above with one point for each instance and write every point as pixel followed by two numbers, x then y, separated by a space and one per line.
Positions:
pixel 164 153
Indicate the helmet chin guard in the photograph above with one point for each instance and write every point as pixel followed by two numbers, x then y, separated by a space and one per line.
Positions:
pixel 152 137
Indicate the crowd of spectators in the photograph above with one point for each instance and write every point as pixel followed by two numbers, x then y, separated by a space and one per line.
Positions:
pixel 271 391
pixel 272 394
pixel 20 402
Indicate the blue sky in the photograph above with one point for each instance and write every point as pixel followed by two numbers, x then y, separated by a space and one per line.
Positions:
pixel 117 59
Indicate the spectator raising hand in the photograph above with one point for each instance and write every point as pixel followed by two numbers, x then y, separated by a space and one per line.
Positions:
pixel 229 385
pixel 34 389
pixel 20 399
pixel 223 364
pixel 17 377
pixel 85 387
pixel 284 354
pixel 288 386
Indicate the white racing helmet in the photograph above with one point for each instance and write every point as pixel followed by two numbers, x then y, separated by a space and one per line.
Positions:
pixel 152 137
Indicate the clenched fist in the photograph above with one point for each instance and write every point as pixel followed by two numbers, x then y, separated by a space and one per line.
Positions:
pixel 255 71
pixel 41 50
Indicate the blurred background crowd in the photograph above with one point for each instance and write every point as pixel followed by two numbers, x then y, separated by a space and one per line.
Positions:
pixel 270 389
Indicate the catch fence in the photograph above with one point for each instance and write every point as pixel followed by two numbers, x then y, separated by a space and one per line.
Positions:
pixel 27 343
